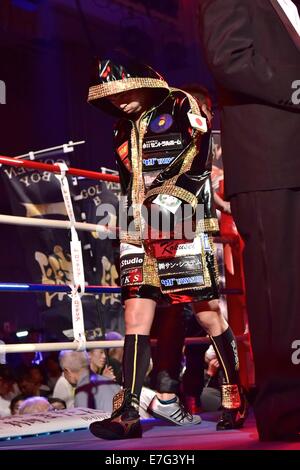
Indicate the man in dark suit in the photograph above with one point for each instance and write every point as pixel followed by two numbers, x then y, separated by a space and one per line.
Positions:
pixel 253 50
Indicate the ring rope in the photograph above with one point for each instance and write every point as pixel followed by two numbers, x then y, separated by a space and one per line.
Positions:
pixel 36 288
pixel 48 347
pixel 95 175
pixel 52 223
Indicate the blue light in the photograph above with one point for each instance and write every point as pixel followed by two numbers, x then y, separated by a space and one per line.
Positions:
pixel 38 358
pixel 28 5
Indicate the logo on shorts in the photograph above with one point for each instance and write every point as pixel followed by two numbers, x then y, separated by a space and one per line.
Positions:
pixel 132 278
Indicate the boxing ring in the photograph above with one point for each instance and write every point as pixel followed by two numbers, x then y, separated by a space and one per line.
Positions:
pixel 79 288
pixel 156 437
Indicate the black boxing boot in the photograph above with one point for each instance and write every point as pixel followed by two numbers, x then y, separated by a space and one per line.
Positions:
pixel 124 422
pixel 235 408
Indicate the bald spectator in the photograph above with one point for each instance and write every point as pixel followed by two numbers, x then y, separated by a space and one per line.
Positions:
pixel 92 390
pixel 64 391
pixel 35 405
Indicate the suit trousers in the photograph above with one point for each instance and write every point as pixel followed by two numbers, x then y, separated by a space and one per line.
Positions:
pixel 269 223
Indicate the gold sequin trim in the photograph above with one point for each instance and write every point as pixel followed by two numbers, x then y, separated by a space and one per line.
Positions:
pixel 150 271
pixel 138 186
pixel 231 397
pixel 118 400
pixel 130 237
pixel 175 191
pixel 207 225
pixel 193 102
pixel 118 86
pixel 136 176
pixel 169 186
pixel 206 272
pixel 188 158
pixel 216 267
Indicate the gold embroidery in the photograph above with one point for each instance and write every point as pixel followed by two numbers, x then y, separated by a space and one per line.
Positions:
pixel 207 225
pixel 109 278
pixel 231 397
pixel 150 271
pixel 206 273
pixel 193 102
pixel 170 185
pixel 118 400
pixel 56 269
pixel 136 176
pixel 188 158
pixel 138 187
pixel 36 210
pixel 171 190
pixel 106 89
pixel 130 237
pixel 216 267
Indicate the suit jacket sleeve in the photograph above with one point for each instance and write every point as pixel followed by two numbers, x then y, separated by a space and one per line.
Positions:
pixel 226 30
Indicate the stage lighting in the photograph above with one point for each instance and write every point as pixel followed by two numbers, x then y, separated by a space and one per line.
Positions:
pixel 22 334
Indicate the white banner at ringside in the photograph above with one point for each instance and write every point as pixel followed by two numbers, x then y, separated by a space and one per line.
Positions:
pixel 51 421
pixel 77 262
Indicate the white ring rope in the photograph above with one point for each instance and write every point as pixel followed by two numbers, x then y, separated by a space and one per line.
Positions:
pixel 51 223
pixel 65 148
pixel 47 347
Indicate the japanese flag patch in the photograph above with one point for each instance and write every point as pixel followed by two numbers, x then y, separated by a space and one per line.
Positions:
pixel 198 122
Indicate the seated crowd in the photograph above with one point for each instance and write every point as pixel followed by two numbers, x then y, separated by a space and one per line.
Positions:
pixel 88 380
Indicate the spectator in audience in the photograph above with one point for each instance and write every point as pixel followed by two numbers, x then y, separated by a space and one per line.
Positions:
pixel 35 405
pixel 37 378
pixel 8 389
pixel 52 370
pixel 16 402
pixel 57 403
pixel 115 355
pixel 210 398
pixel 98 363
pixel 29 385
pixel 92 390
pixel 108 362
pixel 64 391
